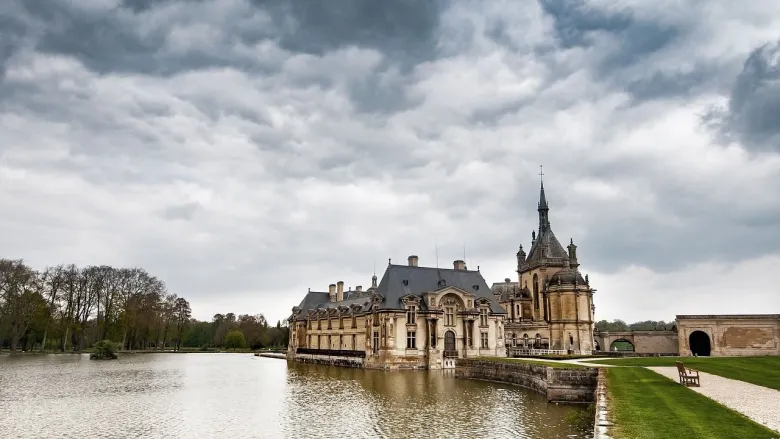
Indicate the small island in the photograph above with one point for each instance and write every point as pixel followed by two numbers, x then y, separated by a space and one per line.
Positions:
pixel 103 350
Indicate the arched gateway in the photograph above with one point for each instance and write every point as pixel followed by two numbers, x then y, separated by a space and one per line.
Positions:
pixel 699 342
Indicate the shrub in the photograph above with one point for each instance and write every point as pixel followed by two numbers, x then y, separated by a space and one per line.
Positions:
pixel 235 340
pixel 104 350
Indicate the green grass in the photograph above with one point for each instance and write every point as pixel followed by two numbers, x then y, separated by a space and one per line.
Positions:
pixel 539 363
pixel 646 405
pixel 762 371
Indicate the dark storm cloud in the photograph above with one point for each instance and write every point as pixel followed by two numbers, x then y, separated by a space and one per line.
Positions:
pixel 402 29
pixel 631 39
pixel 753 113
pixel 111 41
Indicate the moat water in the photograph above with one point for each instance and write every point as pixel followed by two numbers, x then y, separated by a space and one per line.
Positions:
pixel 241 396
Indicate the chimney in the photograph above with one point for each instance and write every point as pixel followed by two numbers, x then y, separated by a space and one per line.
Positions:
pixel 359 288
pixel 459 265
pixel 413 261
pixel 340 291
pixel 332 292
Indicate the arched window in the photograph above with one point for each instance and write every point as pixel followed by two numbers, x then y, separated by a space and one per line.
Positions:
pixel 514 339
pixel 538 341
pixel 525 340
pixel 536 291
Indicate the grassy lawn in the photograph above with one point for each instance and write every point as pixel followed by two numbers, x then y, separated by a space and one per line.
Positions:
pixel 646 405
pixel 762 371
pixel 539 363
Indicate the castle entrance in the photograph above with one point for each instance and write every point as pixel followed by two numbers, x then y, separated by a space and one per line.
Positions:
pixel 699 342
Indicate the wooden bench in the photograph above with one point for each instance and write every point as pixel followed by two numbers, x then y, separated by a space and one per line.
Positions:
pixel 688 377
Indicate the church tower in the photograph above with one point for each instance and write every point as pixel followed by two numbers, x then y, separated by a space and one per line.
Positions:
pixel 561 298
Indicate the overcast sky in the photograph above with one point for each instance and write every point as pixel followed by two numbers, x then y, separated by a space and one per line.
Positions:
pixel 244 151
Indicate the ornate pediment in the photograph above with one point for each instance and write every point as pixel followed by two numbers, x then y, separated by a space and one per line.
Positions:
pixel 482 301
pixel 411 299
pixel 377 298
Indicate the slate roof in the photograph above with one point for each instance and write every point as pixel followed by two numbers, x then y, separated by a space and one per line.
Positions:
pixel 503 290
pixel 424 279
pixel 546 250
pixel 419 280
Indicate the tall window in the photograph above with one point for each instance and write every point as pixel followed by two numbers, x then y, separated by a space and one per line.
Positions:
pixel 483 317
pixel 525 340
pixel 318 342
pixel 330 341
pixel 309 323
pixel 411 340
pixel 514 339
pixel 538 342
pixel 341 342
pixel 330 326
pixel 411 315
pixel 319 324
pixel 536 292
pixel 309 344
pixel 449 316
pixel 354 321
pixel 484 340
pixel 375 345
pixel 341 322
pixel 354 342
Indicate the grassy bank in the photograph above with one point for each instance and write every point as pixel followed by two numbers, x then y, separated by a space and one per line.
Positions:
pixel 526 361
pixel 646 405
pixel 756 370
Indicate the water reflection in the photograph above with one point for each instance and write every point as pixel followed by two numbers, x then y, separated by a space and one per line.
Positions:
pixel 237 395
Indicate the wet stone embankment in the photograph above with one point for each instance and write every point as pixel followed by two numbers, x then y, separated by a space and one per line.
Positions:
pixel 559 384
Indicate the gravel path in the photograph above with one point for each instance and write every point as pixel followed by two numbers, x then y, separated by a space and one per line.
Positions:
pixel 758 403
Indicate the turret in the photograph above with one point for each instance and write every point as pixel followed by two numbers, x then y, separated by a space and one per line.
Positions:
pixel 573 254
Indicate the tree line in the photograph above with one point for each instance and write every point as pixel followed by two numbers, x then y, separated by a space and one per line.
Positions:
pixel 69 308
pixel 645 325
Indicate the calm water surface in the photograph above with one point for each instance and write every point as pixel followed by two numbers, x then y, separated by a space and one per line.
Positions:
pixel 242 396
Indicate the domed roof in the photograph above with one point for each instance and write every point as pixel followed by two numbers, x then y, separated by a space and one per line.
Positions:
pixel 567 276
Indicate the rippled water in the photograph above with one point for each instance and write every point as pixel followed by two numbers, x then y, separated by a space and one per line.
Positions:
pixel 241 396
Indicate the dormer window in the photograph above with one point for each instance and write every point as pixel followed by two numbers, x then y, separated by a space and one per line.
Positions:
pixel 411 315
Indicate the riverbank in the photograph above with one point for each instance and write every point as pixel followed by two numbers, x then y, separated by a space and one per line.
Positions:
pixel 559 382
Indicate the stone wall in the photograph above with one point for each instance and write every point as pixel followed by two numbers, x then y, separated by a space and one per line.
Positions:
pixel 656 342
pixel 566 385
pixel 732 335
pixel 329 360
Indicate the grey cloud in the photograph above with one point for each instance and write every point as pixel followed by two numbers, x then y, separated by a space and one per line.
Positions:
pixel 753 113
pixel 185 211
pixel 314 168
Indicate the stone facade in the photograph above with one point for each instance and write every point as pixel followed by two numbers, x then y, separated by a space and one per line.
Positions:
pixel 729 335
pixel 551 304
pixel 644 342
pixel 415 318
pixel 570 385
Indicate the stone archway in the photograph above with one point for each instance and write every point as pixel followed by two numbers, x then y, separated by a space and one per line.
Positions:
pixel 621 345
pixel 699 343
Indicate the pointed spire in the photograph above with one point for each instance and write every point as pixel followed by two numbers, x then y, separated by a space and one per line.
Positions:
pixel 544 221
